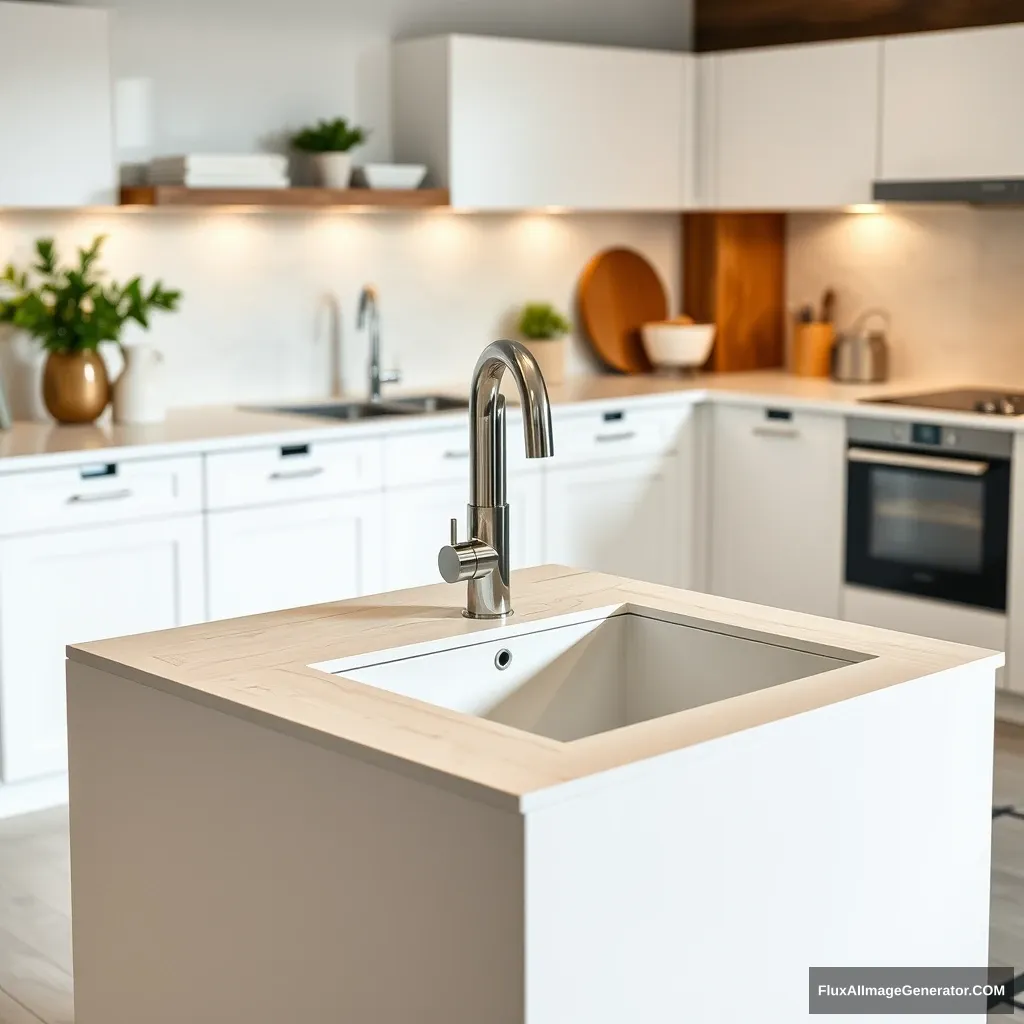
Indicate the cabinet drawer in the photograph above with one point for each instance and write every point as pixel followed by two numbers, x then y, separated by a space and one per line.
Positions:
pixel 617 432
pixel 99 492
pixel 437 456
pixel 269 475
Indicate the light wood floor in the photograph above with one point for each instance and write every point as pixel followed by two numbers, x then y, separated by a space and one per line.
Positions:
pixel 35 898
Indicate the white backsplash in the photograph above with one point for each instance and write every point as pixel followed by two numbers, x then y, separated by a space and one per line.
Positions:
pixel 269 297
pixel 951 278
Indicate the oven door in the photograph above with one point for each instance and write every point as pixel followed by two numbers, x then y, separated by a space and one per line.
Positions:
pixel 936 526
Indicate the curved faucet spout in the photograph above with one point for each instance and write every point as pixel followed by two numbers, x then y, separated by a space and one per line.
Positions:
pixel 487 410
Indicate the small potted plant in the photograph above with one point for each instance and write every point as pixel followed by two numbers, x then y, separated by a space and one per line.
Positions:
pixel 543 330
pixel 330 144
pixel 71 312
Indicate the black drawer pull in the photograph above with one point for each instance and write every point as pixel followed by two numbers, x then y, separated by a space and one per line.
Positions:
pixel 288 450
pixel 95 471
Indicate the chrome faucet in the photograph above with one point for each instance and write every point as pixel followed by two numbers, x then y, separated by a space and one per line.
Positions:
pixel 369 313
pixel 483 560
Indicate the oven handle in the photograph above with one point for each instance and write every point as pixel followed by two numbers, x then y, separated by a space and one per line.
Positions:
pixel 908 460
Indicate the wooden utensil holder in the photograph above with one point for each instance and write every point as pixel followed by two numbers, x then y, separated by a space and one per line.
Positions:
pixel 812 349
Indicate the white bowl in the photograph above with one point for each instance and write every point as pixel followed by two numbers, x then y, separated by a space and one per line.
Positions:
pixel 401 176
pixel 678 346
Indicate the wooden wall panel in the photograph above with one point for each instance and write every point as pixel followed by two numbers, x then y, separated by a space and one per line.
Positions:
pixel 734 267
pixel 730 24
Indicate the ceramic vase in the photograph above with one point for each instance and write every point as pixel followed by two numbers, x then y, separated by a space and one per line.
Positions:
pixel 76 388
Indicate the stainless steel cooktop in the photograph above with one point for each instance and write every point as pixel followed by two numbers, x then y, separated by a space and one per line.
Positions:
pixel 988 401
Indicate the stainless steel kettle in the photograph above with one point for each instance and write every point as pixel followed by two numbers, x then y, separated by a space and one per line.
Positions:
pixel 860 355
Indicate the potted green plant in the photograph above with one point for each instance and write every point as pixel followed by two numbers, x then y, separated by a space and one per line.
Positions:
pixel 330 144
pixel 543 330
pixel 71 312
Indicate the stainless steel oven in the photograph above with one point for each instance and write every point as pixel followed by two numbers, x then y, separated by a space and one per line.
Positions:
pixel 928 510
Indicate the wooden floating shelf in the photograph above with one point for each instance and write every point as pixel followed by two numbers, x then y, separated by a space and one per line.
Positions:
pixel 284 198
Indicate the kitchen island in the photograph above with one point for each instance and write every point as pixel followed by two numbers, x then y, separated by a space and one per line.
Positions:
pixel 626 802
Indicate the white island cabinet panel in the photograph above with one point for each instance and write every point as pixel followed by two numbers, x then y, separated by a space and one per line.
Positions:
pixel 417 523
pixel 777 509
pixel 514 124
pixel 56 107
pixel 790 127
pixel 294 555
pixel 74 585
pixel 951 103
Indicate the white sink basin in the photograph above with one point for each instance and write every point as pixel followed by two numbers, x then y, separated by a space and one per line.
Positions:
pixel 566 678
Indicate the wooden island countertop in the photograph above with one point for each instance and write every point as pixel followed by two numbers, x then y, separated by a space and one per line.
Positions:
pixel 259 669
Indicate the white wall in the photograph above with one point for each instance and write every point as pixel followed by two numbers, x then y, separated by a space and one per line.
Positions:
pixel 269 296
pixel 951 278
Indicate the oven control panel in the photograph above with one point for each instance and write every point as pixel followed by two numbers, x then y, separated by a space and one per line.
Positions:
pixel 924 436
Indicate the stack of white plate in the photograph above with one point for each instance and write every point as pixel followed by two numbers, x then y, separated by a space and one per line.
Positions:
pixel 213 170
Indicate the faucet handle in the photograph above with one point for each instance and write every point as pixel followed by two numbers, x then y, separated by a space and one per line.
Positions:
pixel 391 376
pixel 466 561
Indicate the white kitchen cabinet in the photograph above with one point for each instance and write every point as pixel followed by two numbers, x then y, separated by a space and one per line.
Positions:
pixel 512 124
pixel 950 104
pixel 56 108
pixel 417 526
pixel 294 555
pixel 71 586
pixel 1012 676
pixel 616 516
pixel 777 507
pixel 790 127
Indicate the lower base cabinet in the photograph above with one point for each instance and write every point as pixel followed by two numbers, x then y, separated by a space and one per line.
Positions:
pixel 777 507
pixel 293 555
pixel 417 526
pixel 617 517
pixel 71 586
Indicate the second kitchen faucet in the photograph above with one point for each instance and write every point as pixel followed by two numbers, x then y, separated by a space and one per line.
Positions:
pixel 369 317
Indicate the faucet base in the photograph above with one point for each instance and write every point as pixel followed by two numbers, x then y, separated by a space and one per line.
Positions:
pixel 489 596
pixel 467 614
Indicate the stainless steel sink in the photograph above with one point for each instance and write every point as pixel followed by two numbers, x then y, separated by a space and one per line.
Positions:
pixel 410 405
pixel 342 410
pixel 430 403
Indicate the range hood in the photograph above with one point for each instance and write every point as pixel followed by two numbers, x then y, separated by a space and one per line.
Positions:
pixel 978 191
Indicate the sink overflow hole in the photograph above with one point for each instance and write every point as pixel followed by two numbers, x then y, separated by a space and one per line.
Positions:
pixel 503 659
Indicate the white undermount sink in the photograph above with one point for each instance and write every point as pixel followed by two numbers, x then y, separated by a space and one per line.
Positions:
pixel 567 678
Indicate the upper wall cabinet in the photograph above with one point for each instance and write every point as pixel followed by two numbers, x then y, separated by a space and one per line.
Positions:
pixel 507 124
pixel 789 127
pixel 951 105
pixel 56 108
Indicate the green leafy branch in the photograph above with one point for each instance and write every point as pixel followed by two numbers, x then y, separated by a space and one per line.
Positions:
pixel 71 309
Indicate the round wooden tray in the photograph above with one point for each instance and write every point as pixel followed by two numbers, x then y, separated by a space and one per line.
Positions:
pixel 619 292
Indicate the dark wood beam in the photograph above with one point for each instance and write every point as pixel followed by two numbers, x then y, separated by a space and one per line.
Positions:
pixel 732 24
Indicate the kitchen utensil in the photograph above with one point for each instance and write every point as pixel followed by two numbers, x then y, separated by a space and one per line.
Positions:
pixel 619 292
pixel 397 176
pixel 860 355
pixel 671 345
pixel 805 316
pixel 828 306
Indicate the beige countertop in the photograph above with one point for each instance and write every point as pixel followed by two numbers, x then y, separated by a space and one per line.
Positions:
pixel 215 427
pixel 259 668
